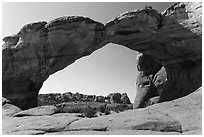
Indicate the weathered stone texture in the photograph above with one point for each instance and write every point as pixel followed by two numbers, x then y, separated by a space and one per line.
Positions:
pixel 173 38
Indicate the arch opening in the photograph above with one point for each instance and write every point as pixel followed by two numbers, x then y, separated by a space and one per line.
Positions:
pixel 110 69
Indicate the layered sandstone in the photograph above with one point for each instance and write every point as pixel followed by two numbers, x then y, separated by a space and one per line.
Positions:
pixel 40 49
pixel 173 38
pixel 150 80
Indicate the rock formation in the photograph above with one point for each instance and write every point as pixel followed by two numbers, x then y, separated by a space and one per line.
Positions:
pixel 178 117
pixel 148 83
pixel 173 38
pixel 57 98
pixel 115 98
pixel 40 49
pixel 38 111
pixel 125 99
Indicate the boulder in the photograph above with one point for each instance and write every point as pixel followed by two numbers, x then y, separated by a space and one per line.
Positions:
pixel 150 80
pixel 9 110
pixel 115 98
pixel 5 101
pixel 35 125
pixel 149 75
pixel 125 99
pixel 152 101
pixel 38 111
pixel 99 99
pixel 109 95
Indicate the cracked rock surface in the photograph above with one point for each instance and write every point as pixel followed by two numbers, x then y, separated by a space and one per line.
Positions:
pixel 180 116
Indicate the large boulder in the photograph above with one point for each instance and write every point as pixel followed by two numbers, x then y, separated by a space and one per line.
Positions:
pixel 149 82
pixel 173 38
pixel 8 109
pixel 38 111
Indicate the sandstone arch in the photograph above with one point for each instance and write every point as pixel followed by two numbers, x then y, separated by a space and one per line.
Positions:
pixel 174 38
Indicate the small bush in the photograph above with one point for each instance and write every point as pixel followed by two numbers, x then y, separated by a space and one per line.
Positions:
pixel 89 112
pixel 102 108
pixel 107 112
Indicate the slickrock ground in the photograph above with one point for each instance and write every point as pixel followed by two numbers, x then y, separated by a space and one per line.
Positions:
pixel 180 116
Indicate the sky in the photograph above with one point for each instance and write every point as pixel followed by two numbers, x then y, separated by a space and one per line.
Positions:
pixel 107 70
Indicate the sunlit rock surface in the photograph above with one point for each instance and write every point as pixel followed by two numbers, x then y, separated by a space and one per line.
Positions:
pixel 178 117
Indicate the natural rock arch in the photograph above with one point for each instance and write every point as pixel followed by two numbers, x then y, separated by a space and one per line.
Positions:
pixel 174 38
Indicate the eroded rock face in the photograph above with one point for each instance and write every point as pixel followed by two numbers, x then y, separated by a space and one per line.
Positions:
pixel 125 99
pixel 174 38
pixel 39 50
pixel 149 83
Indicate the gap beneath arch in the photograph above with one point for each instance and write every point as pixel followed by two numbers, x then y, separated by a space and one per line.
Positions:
pixel 109 69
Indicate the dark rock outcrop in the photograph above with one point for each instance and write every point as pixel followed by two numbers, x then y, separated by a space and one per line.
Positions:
pixel 125 99
pixel 115 98
pixel 173 38
pixel 149 81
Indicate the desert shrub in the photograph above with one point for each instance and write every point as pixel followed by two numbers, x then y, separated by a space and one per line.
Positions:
pixel 102 108
pixel 69 108
pixel 90 109
pixel 107 111
pixel 117 107
pixel 89 112
pixel 72 110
